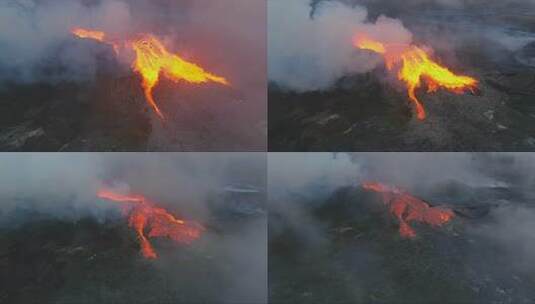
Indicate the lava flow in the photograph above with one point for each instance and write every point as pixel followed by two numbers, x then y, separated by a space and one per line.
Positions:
pixel 149 220
pixel 89 34
pixel 153 60
pixel 416 68
pixel 408 208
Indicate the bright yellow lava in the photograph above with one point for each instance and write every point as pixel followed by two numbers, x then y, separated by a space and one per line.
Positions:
pixel 153 60
pixel 417 69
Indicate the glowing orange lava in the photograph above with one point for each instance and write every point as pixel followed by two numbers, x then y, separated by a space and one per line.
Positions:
pixel 417 69
pixel 89 34
pixel 153 60
pixel 144 215
pixel 408 208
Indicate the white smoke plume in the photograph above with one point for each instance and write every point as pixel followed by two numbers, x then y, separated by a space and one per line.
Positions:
pixel 310 49
pixel 54 183
pixel 227 38
pixel 296 172
pixel 311 42
pixel 32 31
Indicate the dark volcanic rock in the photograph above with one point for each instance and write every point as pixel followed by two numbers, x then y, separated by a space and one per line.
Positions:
pixel 109 115
pixel 360 257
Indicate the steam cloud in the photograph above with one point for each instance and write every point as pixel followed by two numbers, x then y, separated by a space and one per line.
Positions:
pixel 296 172
pixel 33 31
pixel 184 181
pixel 38 47
pixel 294 176
pixel 64 186
pixel 310 52
pixel 310 42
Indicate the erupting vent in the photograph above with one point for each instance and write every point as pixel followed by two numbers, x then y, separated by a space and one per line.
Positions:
pixel 415 68
pixel 408 208
pixel 150 221
pixel 89 34
pixel 153 60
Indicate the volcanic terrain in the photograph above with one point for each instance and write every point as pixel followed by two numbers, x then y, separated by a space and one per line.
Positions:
pixel 371 111
pixel 47 258
pixel 453 240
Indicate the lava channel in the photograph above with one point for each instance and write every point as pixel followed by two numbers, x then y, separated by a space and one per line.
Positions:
pixel 149 220
pixel 153 60
pixel 408 208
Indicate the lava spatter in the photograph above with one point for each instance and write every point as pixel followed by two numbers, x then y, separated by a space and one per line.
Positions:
pixel 149 220
pixel 408 208
pixel 416 69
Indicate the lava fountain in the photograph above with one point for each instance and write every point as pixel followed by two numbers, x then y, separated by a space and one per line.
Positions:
pixel 153 60
pixel 408 208
pixel 149 220
pixel 416 68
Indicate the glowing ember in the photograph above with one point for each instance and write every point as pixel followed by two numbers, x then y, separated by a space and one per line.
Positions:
pixel 153 60
pixel 149 220
pixel 417 68
pixel 408 208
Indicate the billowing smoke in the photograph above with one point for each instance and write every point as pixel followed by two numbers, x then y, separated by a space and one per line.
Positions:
pixel 419 170
pixel 297 179
pixel 299 183
pixel 310 47
pixel 512 231
pixel 311 42
pixel 291 173
pixel 34 32
pixel 52 183
pixel 38 48
pixel 456 3
pixel 62 189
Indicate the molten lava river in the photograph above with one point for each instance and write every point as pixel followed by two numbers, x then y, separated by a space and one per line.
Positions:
pixel 149 220
pixel 416 68
pixel 153 60
pixel 407 208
